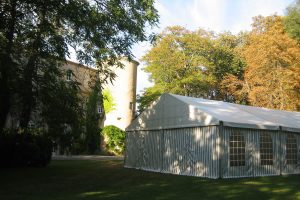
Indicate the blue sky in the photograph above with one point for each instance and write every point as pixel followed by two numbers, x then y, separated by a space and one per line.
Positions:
pixel 214 15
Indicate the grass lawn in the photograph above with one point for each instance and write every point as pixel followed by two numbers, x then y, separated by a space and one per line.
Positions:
pixel 71 180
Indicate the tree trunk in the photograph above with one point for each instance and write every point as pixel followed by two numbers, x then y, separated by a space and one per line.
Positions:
pixel 27 93
pixel 4 95
pixel 30 72
pixel 6 68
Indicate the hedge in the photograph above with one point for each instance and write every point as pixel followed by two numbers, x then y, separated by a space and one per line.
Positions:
pixel 24 149
pixel 114 139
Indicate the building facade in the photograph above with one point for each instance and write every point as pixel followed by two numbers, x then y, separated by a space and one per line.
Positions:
pixel 122 90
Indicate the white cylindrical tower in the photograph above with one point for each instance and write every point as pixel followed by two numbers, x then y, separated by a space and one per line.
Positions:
pixel 123 92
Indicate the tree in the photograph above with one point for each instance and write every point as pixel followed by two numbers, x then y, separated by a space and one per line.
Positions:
pixel 58 108
pixel 227 62
pixel 271 78
pixel 292 20
pixel 34 34
pixel 191 63
pixel 178 63
pixel 149 95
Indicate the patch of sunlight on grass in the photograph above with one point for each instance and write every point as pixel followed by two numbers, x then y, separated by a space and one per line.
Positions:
pixel 264 189
pixel 164 185
pixel 99 193
pixel 281 190
pixel 148 184
pixel 91 193
pixel 298 195
pixel 224 187
pixel 253 183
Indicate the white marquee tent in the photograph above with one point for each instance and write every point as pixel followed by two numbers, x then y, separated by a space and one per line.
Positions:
pixel 199 137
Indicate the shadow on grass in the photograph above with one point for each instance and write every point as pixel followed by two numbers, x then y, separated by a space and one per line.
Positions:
pixel 109 180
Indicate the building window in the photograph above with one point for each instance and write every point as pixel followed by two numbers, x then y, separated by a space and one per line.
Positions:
pixel 266 149
pixel 69 75
pixel 237 149
pixel 291 149
pixel 131 106
pixel 100 110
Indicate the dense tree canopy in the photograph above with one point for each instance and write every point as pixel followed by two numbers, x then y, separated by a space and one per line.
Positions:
pixel 272 77
pixel 35 39
pixel 178 60
pixel 191 63
pixel 260 68
pixel 292 20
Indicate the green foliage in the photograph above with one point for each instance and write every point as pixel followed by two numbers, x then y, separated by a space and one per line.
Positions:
pixel 114 138
pixel 34 40
pixel 59 108
pixel 292 20
pixel 93 118
pixel 22 149
pixel 149 95
pixel 34 34
pixel 191 63
pixel 259 68
pixel 108 101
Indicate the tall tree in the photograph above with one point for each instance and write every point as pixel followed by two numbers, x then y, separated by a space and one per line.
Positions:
pixel 272 74
pixel 57 104
pixel 292 20
pixel 226 61
pixel 34 33
pixel 178 62
pixel 191 63
pixel 10 17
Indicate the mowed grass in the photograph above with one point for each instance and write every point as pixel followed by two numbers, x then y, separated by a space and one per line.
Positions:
pixel 71 180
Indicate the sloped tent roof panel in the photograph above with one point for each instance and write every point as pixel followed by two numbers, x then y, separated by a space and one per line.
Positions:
pixel 174 111
pixel 170 112
pixel 289 121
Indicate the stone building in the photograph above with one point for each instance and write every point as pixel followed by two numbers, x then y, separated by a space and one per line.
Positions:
pixel 122 89
pixel 81 73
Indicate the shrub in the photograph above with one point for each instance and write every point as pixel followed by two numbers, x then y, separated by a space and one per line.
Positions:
pixel 114 139
pixel 30 148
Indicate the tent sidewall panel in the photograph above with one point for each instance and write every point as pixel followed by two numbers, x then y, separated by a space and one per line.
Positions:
pixel 253 165
pixel 290 168
pixel 184 151
pixel 191 151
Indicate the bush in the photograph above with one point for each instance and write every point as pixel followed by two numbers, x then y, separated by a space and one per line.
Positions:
pixel 114 139
pixel 30 148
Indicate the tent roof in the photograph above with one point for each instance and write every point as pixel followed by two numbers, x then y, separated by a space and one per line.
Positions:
pixel 175 111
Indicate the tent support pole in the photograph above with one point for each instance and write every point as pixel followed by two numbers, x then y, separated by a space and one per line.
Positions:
pixel 281 159
pixel 162 143
pixel 220 147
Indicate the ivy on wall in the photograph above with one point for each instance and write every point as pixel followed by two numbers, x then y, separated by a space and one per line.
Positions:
pixel 108 101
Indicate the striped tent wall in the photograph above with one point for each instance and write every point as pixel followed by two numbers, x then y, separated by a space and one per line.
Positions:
pixel 253 166
pixel 184 151
pixel 205 152
pixel 286 167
